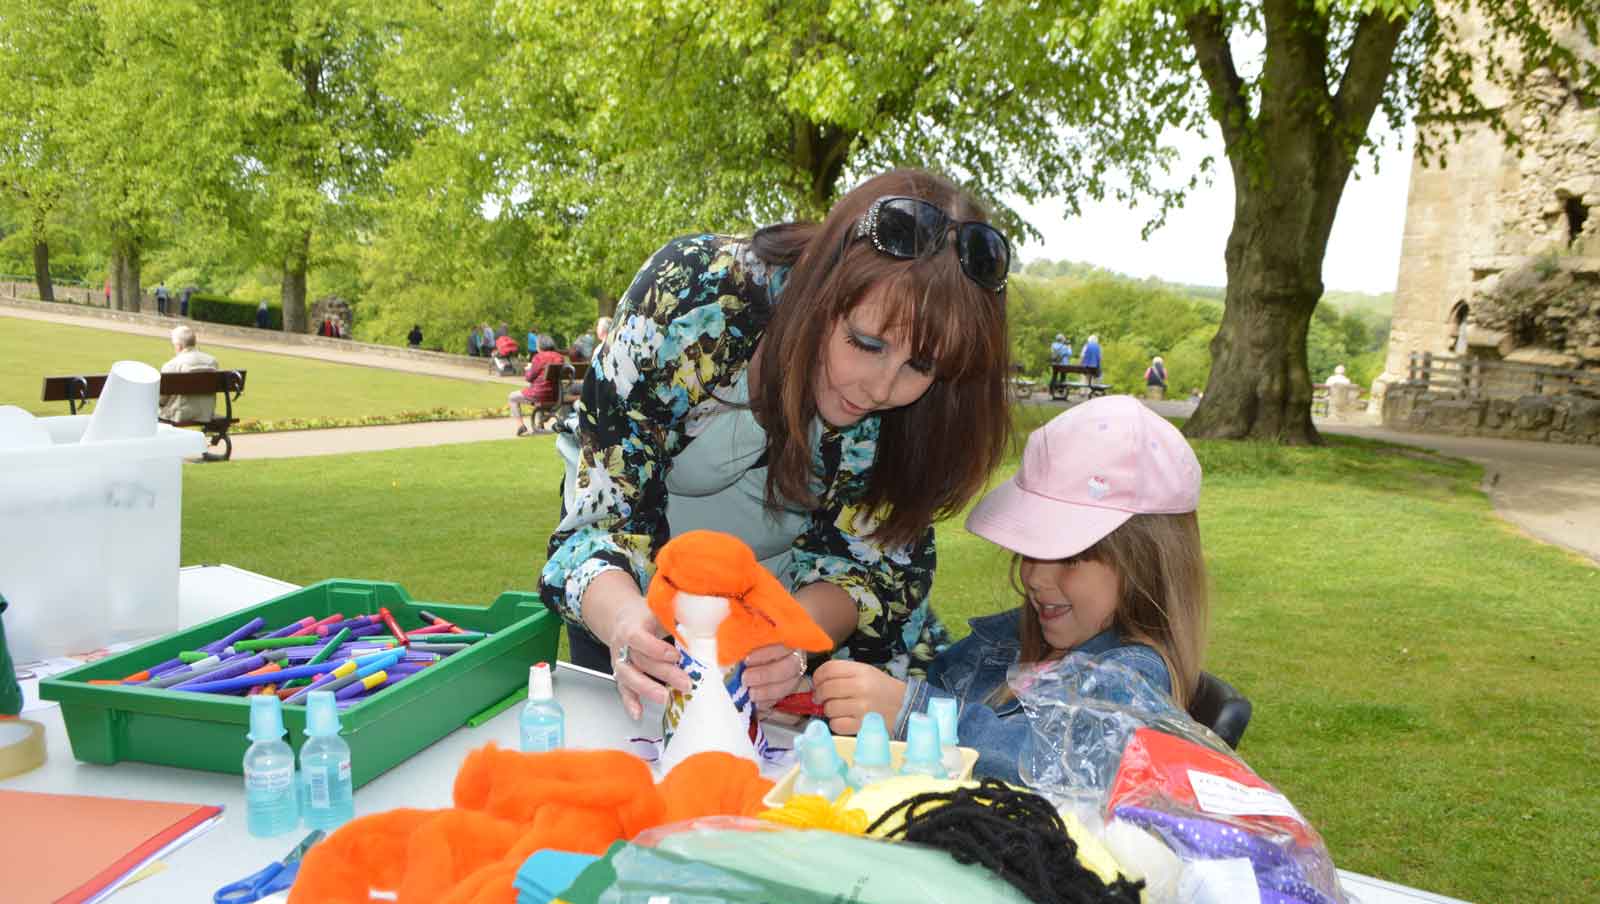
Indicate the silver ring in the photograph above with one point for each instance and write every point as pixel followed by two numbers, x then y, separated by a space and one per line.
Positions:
pixel 801 657
pixel 623 655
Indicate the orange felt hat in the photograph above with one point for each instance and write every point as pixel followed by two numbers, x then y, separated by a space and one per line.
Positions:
pixel 761 610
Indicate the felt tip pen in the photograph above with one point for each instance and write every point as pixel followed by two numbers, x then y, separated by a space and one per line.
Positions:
pixel 438 621
pixel 229 669
pixel 276 643
pixel 243 682
pixel 293 627
pixel 192 671
pixel 361 686
pixel 243 631
pixel 444 649
pixel 344 670
pixel 368 628
pixel 323 653
pixel 431 629
pixel 394 626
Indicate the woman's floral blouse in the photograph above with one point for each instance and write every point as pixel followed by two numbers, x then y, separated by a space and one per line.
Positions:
pixel 685 333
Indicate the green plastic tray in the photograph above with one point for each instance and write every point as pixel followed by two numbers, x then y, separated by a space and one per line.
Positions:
pixel 109 724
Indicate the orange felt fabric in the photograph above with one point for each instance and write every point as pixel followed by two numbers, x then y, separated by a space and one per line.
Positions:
pixel 508 806
pixel 760 612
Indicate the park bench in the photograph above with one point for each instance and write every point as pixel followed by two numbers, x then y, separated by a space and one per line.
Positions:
pixel 1062 387
pixel 1021 386
pixel 80 390
pixel 560 376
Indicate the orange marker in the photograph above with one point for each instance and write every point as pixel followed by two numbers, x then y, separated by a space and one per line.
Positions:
pixel 394 626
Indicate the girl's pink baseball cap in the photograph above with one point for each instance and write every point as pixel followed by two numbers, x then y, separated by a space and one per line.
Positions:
pixel 1085 473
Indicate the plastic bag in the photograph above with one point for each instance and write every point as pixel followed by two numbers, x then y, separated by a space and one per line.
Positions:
pixel 1101 735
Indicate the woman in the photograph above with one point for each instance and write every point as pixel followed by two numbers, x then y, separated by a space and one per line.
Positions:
pixel 539 391
pixel 824 392
pixel 1155 379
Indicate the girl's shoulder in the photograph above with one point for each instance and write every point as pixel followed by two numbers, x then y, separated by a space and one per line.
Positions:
pixel 1002 627
pixel 696 271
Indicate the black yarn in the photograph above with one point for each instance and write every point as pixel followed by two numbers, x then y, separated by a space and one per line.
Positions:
pixel 1017 835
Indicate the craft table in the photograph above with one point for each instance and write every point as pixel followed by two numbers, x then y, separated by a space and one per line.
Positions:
pixel 228 851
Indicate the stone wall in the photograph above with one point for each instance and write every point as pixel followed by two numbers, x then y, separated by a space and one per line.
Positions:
pixel 1545 418
pixel 1501 252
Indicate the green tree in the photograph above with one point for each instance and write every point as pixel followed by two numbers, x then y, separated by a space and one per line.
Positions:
pixel 1292 129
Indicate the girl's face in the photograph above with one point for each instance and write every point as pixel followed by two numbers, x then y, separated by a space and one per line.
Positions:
pixel 867 366
pixel 1075 600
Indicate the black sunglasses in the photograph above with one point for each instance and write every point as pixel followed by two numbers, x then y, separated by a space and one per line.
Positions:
pixel 909 228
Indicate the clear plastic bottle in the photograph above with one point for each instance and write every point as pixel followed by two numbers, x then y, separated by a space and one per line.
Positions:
pixel 329 800
pixel 871 762
pixel 821 767
pixel 271 801
pixel 544 724
pixel 922 748
pixel 944 713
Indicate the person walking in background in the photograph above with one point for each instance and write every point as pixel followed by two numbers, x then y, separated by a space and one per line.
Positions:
pixel 108 293
pixel 533 341
pixel 183 300
pixel 1060 353
pixel 163 298
pixel 1155 379
pixel 414 338
pixel 263 316
pixel 1091 354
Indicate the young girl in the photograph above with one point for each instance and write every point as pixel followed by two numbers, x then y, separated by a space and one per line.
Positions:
pixel 1101 517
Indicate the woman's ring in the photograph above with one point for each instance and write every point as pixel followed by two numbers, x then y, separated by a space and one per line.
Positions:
pixel 800 657
pixel 622 655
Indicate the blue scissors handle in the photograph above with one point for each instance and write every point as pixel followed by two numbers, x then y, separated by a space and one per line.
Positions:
pixel 251 888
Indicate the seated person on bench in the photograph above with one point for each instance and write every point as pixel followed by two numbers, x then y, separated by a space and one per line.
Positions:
pixel 182 409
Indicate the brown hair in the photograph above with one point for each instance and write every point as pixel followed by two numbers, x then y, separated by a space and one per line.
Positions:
pixel 934 454
pixel 1164 601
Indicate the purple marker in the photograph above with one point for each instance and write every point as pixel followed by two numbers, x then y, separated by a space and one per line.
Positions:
pixel 236 667
pixel 292 627
pixel 368 628
pixel 240 633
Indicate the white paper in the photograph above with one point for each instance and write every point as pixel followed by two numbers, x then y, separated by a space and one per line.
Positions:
pixel 1215 794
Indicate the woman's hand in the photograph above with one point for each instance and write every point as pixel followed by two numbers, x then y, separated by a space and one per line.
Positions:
pixel 773 672
pixel 849 690
pixel 644 664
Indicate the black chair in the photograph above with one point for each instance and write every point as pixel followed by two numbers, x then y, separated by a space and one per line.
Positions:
pixel 1220 707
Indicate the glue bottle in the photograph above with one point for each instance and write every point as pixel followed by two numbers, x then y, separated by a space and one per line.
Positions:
pixel 922 748
pixel 270 798
pixel 871 763
pixel 325 766
pixel 820 765
pixel 543 721
pixel 943 710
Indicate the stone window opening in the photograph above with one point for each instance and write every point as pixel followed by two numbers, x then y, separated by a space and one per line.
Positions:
pixel 1458 328
pixel 1577 214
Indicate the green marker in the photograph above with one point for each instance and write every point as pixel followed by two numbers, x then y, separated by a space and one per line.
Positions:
pixel 322 655
pixel 190 657
pixel 274 643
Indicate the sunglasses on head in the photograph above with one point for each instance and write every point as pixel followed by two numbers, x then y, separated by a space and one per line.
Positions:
pixel 909 228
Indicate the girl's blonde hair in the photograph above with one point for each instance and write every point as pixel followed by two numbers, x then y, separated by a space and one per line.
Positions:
pixel 1164 599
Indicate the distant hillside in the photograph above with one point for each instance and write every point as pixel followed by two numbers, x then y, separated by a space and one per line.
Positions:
pixel 1373 309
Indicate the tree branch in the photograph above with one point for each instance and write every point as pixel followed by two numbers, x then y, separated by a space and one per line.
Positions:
pixel 1367 72
pixel 1210 41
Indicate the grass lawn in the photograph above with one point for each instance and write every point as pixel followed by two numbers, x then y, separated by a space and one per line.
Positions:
pixel 277 386
pixel 1423 676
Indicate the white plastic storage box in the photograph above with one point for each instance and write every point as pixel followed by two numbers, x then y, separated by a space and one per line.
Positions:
pixel 89 538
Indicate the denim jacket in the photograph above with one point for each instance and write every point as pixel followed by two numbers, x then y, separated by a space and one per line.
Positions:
pixel 973 668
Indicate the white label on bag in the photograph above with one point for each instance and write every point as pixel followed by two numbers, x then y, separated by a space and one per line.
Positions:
pixel 1216 794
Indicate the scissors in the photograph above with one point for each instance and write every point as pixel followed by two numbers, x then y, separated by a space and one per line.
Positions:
pixel 274 877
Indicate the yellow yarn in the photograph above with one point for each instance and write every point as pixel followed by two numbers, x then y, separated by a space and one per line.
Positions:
pixel 810 811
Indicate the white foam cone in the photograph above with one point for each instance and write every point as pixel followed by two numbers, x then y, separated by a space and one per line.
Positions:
pixel 709 722
pixel 128 405
pixel 21 430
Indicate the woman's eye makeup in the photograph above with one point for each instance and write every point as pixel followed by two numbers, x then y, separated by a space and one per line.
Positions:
pixel 864 342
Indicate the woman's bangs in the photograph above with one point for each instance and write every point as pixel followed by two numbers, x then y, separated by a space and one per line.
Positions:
pixel 952 321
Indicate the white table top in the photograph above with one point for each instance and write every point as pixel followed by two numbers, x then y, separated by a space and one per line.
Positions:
pixel 228 852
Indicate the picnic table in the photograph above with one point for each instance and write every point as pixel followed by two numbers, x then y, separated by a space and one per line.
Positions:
pixel 594 719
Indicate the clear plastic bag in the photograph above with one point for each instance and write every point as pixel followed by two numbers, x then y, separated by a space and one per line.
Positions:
pixel 1102 736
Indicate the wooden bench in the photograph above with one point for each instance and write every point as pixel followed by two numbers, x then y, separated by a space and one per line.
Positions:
pixel 80 390
pixel 565 378
pixel 1061 388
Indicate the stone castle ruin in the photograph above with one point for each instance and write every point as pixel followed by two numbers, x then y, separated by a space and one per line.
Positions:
pixel 1499 279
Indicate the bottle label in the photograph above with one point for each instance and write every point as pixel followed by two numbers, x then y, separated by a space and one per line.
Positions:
pixel 317 792
pixel 269 781
pixel 344 772
pixel 540 738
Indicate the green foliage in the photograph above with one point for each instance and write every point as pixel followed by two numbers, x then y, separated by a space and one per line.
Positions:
pixel 216 309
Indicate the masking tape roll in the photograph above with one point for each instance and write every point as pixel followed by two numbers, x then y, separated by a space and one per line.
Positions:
pixel 21 746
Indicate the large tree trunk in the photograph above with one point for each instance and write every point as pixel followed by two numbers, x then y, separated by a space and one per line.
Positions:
pixel 126 291
pixel 295 265
pixel 41 270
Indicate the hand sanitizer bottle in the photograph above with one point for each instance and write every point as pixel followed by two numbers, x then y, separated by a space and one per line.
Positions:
pixel 543 722
pixel 922 748
pixel 943 710
pixel 872 753
pixel 325 766
pixel 820 765
pixel 817 732
pixel 270 797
